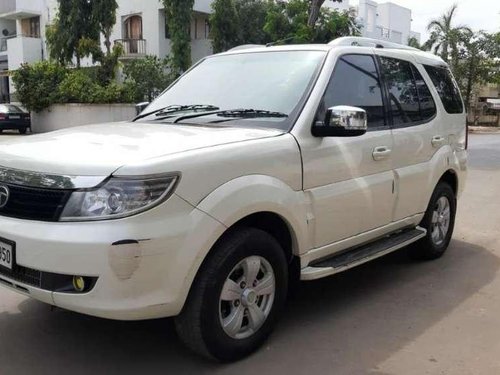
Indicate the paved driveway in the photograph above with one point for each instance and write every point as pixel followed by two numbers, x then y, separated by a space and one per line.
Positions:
pixel 392 316
pixel 10 134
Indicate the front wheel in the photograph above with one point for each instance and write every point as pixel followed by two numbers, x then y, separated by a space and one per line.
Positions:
pixel 23 130
pixel 439 220
pixel 236 297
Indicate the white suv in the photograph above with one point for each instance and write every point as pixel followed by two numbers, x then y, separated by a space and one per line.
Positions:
pixel 259 166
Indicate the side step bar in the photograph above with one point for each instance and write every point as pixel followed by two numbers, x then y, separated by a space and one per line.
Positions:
pixel 362 254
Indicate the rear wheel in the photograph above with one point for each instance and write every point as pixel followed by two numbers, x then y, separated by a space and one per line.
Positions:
pixel 439 220
pixel 23 130
pixel 236 297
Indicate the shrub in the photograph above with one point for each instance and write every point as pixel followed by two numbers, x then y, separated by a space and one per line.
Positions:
pixel 45 83
pixel 37 85
pixel 147 77
pixel 78 87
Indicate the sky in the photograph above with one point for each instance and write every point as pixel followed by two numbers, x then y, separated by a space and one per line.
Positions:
pixel 477 14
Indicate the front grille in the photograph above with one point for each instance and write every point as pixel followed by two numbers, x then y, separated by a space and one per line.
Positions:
pixel 25 275
pixel 34 203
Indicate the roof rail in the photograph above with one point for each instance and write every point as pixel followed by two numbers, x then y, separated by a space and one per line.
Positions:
pixel 367 42
pixel 246 46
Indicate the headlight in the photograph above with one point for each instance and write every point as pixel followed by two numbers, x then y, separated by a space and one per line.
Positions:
pixel 118 197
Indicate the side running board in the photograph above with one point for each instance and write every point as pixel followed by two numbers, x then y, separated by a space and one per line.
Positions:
pixel 362 254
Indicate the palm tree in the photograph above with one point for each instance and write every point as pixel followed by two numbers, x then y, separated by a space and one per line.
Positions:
pixel 444 36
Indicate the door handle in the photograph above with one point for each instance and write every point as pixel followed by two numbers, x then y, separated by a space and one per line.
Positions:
pixel 437 141
pixel 381 153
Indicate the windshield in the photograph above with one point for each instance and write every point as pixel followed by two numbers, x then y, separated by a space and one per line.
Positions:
pixel 266 81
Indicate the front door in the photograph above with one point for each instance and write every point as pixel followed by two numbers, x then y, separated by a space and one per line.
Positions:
pixel 350 180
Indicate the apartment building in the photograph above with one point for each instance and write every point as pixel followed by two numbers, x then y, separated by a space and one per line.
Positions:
pixel 385 21
pixel 140 27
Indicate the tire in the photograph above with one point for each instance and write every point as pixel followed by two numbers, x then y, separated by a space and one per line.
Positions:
pixel 200 324
pixel 23 130
pixel 434 244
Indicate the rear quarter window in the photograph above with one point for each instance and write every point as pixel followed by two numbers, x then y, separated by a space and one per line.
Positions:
pixel 446 88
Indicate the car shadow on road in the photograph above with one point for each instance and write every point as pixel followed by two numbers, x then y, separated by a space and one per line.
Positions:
pixel 349 323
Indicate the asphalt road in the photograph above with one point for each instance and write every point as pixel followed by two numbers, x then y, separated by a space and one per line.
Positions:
pixel 392 316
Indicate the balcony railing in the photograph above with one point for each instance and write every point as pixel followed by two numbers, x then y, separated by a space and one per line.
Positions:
pixel 4 44
pixel 133 47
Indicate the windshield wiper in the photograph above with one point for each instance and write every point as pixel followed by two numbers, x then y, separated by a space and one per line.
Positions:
pixel 175 108
pixel 235 113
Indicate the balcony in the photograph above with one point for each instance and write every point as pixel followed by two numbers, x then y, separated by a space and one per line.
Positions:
pixel 132 48
pixel 19 9
pixel 23 49
pixel 388 34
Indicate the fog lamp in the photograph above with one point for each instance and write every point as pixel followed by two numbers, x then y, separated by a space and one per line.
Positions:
pixel 79 283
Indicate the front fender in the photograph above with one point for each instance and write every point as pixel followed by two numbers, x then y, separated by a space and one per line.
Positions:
pixel 251 194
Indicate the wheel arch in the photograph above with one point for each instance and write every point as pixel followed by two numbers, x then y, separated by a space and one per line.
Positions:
pixel 261 202
pixel 451 178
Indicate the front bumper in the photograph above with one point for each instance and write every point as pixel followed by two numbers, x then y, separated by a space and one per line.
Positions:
pixel 144 264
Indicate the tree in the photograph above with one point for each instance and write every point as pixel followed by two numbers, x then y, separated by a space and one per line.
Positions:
pixel 315 10
pixel 334 24
pixel 147 77
pixel 73 32
pixel 413 42
pixel 478 62
pixel 236 22
pixel 289 21
pixel 252 19
pixel 224 25
pixel 104 13
pixel 179 14
pixel 444 36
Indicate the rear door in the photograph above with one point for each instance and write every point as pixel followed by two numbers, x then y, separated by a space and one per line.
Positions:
pixel 416 129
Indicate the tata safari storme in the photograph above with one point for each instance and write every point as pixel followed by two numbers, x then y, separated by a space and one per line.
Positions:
pixel 258 167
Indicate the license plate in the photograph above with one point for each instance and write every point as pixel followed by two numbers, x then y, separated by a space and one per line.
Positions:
pixel 7 254
pixel 14 117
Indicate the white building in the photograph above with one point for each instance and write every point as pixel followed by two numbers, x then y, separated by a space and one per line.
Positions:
pixel 385 21
pixel 140 27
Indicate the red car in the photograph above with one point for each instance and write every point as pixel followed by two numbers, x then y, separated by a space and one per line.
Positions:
pixel 14 118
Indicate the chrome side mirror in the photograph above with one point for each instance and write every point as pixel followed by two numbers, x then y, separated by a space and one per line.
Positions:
pixel 139 107
pixel 342 121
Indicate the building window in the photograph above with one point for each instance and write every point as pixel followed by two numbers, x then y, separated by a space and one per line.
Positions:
pixel 30 27
pixel 133 27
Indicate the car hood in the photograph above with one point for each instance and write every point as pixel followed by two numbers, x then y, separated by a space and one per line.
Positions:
pixel 98 150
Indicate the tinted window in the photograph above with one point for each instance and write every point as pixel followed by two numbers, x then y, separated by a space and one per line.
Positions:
pixel 402 90
pixel 427 105
pixel 446 88
pixel 355 82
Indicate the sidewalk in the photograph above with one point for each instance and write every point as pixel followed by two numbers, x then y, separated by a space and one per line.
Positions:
pixel 484 129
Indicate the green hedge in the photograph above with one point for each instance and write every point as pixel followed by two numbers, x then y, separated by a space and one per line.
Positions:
pixel 44 83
